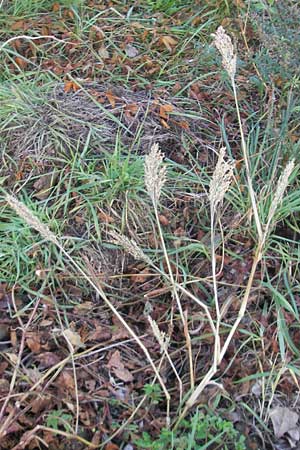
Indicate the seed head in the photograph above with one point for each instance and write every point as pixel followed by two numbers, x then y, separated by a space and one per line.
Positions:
pixel 221 180
pixel 161 336
pixel 130 246
pixel 223 43
pixel 155 174
pixel 27 215
pixel 281 187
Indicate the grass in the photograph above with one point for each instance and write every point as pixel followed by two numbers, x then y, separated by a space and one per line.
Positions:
pixel 79 167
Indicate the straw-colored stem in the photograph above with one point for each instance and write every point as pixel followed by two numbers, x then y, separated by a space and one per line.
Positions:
pixel 194 396
pixel 214 277
pixel 247 165
pixel 175 294
pixel 257 258
pixel 120 318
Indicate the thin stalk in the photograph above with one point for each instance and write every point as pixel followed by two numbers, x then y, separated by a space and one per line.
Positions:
pixel 175 294
pixel 247 166
pixel 101 293
pixel 214 277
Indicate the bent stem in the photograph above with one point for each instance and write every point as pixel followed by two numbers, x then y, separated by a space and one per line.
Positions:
pixel 102 294
pixel 211 373
pixel 214 277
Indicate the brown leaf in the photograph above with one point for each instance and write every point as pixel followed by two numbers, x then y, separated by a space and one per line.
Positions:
pixel 71 86
pixel 283 420
pixel 43 185
pixel 115 360
pixel 131 110
pixel 142 276
pixel 123 374
pixel 111 98
pixel 73 337
pixel 48 359
pixel 33 342
pixel 163 220
pixel 164 111
pixel 66 380
pixel 18 25
pixel 56 7
pixel 118 367
pixel 168 42
pixel 183 124
pixel 21 62
pixel 105 217
pixel 111 446
pixel 100 334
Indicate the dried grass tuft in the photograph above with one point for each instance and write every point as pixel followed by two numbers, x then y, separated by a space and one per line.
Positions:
pixel 224 44
pixel 161 336
pixel 46 123
pixel 155 173
pixel 30 219
pixel 130 246
pixel 221 180
pixel 281 187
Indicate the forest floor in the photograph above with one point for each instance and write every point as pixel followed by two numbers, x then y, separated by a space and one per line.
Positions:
pixel 122 283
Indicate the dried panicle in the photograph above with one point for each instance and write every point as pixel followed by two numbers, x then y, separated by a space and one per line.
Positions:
pixel 281 187
pixel 161 336
pixel 30 219
pixel 130 246
pixel 223 43
pixel 155 174
pixel 221 179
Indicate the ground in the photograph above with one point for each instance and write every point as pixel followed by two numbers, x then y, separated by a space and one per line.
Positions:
pixel 122 275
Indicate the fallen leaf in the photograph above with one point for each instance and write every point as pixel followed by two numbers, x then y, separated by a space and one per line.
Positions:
pixel 55 7
pixel 105 217
pixel 13 357
pixel 115 360
pixel 111 446
pixel 48 359
pixel 168 42
pixel 118 367
pixel 164 111
pixel 163 220
pixel 131 110
pixel 103 53
pixel 66 379
pixel 131 51
pixel 33 342
pixel 123 374
pixel 283 420
pixel 142 276
pixel 183 124
pixel 22 64
pixel 100 334
pixel 44 184
pixel 71 86
pixel 111 98
pixel 18 25
pixel 46 323
pixel 73 337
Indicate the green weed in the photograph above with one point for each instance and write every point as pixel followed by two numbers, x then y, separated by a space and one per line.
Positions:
pixel 202 431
